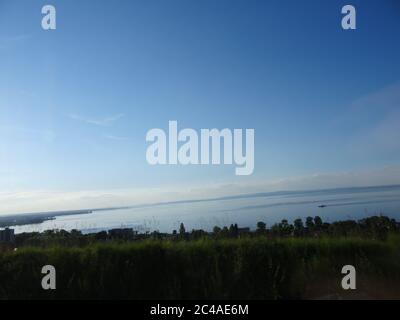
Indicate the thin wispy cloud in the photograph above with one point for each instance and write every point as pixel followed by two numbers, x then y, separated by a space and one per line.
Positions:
pixel 104 122
pixel 47 135
pixel 115 138
pixel 381 134
pixel 382 99
pixel 6 42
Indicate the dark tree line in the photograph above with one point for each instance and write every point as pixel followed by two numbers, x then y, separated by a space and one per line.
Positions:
pixel 376 227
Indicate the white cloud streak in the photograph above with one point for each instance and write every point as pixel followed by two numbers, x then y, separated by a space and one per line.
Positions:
pixel 104 122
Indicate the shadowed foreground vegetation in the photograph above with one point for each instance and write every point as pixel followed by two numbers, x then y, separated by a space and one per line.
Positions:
pixel 256 266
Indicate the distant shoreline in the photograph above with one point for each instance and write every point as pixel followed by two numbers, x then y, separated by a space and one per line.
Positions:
pixel 23 219
pixel 36 218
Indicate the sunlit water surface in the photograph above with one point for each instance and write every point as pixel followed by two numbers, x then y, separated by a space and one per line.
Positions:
pixel 351 203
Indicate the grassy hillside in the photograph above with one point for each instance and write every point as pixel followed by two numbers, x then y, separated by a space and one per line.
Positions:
pixel 255 268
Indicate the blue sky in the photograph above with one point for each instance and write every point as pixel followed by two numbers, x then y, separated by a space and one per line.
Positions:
pixel 76 103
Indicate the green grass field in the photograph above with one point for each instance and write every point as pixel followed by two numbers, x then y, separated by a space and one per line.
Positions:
pixel 255 268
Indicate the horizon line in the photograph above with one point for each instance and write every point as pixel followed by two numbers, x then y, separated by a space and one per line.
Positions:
pixel 222 198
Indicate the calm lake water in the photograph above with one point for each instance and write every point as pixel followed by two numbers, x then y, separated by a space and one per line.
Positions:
pixel 245 210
